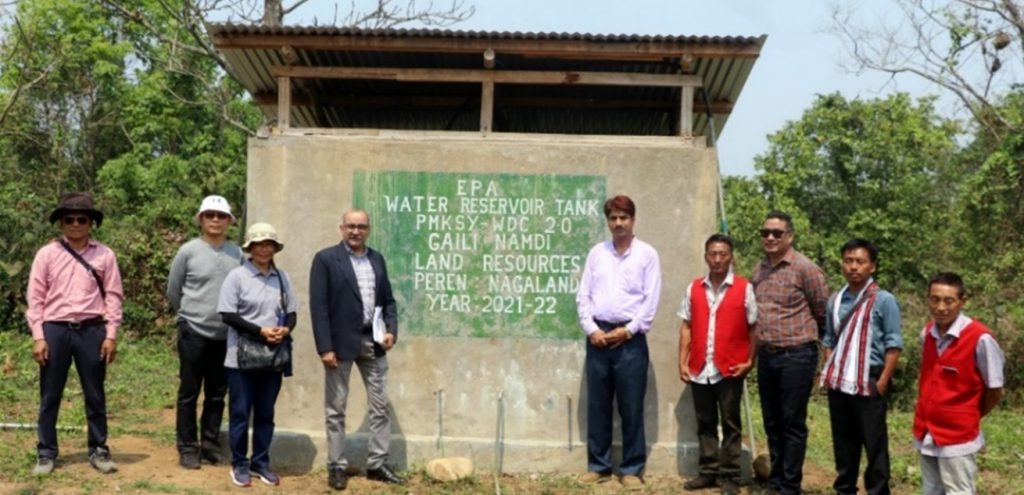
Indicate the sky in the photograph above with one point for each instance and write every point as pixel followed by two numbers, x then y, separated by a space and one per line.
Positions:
pixel 800 59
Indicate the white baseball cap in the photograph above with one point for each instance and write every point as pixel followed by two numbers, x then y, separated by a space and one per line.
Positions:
pixel 215 203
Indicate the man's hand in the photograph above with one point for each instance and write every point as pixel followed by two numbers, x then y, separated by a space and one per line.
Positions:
pixel 40 352
pixel 741 370
pixel 389 341
pixel 617 337
pixel 329 360
pixel 882 387
pixel 108 350
pixel 684 372
pixel 599 339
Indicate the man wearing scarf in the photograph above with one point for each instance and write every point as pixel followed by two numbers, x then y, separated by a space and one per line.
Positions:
pixel 862 345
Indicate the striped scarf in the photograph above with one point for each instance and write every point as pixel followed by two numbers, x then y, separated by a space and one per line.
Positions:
pixel 847 368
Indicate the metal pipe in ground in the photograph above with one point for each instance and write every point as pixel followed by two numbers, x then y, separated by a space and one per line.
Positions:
pixel 499 443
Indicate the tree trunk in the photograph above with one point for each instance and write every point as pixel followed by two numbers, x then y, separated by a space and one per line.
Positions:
pixel 273 13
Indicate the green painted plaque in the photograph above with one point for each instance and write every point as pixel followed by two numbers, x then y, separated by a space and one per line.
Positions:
pixel 484 255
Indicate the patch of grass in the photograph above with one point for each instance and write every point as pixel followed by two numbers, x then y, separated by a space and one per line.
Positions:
pixel 150 486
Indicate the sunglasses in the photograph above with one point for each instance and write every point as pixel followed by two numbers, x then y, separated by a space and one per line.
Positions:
pixel 215 215
pixel 73 219
pixel 357 226
pixel 776 233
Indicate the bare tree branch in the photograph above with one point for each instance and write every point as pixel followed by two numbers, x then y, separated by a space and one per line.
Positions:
pixel 963 46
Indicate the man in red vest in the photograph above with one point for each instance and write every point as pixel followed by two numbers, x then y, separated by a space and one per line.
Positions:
pixel 717 344
pixel 961 381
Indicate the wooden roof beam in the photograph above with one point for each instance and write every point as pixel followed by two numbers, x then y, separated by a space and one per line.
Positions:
pixel 718 107
pixel 498 76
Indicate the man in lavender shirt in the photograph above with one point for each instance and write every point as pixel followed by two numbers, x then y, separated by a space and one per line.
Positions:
pixel 616 303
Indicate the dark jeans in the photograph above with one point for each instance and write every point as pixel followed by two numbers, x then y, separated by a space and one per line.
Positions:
pixel 201 367
pixel 83 345
pixel 785 378
pixel 619 374
pixel 253 394
pixel 710 401
pixel 858 422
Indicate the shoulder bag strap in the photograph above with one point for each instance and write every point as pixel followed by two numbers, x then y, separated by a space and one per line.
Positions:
pixel 88 267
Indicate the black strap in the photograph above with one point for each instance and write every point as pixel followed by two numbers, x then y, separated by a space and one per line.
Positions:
pixel 88 267
pixel 284 295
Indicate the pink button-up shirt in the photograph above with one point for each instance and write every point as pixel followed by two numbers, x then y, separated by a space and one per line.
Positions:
pixel 60 288
pixel 618 288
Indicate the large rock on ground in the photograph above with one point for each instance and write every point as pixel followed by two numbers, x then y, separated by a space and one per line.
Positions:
pixel 450 469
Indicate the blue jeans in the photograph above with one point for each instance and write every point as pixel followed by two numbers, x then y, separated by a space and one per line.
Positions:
pixel 621 374
pixel 784 380
pixel 252 393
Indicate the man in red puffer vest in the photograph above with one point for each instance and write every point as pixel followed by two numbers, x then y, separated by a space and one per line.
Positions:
pixel 716 351
pixel 961 381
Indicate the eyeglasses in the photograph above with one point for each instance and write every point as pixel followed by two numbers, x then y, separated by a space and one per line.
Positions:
pixel 215 215
pixel 357 226
pixel 776 233
pixel 73 219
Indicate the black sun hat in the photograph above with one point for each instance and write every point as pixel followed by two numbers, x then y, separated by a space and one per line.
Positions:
pixel 76 202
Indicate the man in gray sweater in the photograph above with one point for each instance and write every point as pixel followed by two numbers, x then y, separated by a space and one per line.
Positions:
pixel 193 288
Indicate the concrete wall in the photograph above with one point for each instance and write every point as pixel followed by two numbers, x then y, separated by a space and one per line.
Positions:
pixel 302 183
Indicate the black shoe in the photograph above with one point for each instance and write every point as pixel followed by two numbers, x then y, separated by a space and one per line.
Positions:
pixel 729 486
pixel 701 482
pixel 336 479
pixel 385 474
pixel 189 460
pixel 211 456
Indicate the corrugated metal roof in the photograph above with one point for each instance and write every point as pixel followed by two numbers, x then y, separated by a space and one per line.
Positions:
pixel 722 62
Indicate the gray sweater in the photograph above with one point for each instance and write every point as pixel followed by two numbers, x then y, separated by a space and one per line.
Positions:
pixel 193 286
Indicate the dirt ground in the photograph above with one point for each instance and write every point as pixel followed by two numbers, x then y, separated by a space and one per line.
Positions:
pixel 145 467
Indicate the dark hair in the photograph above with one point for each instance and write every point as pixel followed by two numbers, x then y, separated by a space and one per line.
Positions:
pixel 858 243
pixel 781 215
pixel 948 278
pixel 722 238
pixel 621 203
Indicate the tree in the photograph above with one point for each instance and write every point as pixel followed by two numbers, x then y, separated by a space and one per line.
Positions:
pixel 874 169
pixel 972 48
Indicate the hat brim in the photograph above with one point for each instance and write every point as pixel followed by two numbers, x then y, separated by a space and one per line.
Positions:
pixel 248 244
pixel 95 215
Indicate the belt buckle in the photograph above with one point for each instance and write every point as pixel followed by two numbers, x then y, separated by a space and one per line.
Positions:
pixel 75 325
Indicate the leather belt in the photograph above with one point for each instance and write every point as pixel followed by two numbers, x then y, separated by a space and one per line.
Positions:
pixel 75 325
pixel 777 349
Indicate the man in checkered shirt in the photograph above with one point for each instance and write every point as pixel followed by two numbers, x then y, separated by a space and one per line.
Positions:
pixel 791 297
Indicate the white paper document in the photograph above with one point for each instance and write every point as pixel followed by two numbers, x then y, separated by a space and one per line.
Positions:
pixel 379 329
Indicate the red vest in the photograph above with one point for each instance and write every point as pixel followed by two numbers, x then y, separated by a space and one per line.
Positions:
pixel 732 333
pixel 950 389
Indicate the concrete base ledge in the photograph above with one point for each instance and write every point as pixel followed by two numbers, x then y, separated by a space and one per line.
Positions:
pixel 298 452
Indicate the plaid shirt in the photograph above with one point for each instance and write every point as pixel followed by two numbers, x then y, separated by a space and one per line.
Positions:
pixel 367 282
pixel 791 300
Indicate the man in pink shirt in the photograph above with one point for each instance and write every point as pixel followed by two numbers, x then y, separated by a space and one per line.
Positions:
pixel 74 311
pixel 616 302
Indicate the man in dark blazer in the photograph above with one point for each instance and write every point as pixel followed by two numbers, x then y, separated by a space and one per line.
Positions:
pixel 348 283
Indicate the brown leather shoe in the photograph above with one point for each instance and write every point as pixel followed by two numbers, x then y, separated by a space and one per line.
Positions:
pixel 593 478
pixel 701 482
pixel 631 482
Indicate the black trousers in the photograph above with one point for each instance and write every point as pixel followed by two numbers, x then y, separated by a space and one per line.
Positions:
pixel 710 402
pixel 784 380
pixel 82 345
pixel 201 367
pixel 859 422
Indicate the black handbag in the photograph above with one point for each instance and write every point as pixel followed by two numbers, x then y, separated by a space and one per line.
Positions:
pixel 255 354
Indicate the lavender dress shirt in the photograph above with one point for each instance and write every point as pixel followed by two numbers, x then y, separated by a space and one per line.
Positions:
pixel 620 287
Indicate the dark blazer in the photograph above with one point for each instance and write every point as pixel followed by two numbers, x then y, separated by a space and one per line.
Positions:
pixel 335 306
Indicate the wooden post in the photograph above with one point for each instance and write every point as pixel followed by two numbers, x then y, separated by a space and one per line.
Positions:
pixel 284 102
pixel 686 111
pixel 487 105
